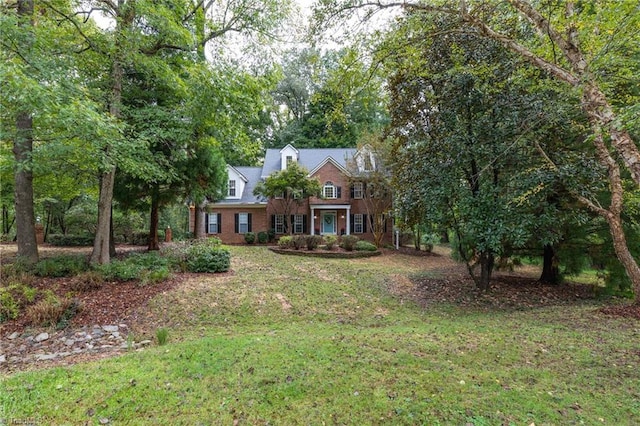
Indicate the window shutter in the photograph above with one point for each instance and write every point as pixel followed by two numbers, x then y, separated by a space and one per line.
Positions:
pixel 385 223
pixel 339 192
pixel 219 223
pixel 351 217
pixel 304 224
pixel 273 222
pixel 206 223
pixel 237 223
pixel 351 189
pixel 249 221
pixel 293 222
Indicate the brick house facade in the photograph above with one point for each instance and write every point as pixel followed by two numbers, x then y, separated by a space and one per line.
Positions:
pixel 341 211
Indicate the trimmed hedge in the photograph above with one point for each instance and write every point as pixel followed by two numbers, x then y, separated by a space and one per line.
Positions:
pixel 60 240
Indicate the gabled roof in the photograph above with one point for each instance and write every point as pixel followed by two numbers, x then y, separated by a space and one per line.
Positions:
pixel 325 161
pixel 309 158
pixel 242 176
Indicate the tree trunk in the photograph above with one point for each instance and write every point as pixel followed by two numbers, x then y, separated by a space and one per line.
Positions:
pixel 624 255
pixel 154 244
pixel 101 251
pixel 25 216
pixel 112 240
pixel 198 222
pixel 550 270
pixel 23 174
pixel 487 261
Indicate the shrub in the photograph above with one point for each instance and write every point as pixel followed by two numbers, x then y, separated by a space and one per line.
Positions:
pixel 154 276
pixel 263 237
pixel 330 241
pixel 348 242
pixel 271 233
pixel 149 260
pixel 249 237
pixel 87 281
pixel 285 242
pixel 299 241
pixel 61 266
pixel 13 298
pixel 313 241
pixel 52 310
pixel 208 255
pixel 140 238
pixel 70 240
pixel 120 270
pixel 162 334
pixel 365 246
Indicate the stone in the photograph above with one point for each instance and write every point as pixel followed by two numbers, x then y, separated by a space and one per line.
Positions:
pixel 45 357
pixel 115 335
pixel 42 337
pixel 13 335
pixel 69 342
pixel 3 358
pixel 110 328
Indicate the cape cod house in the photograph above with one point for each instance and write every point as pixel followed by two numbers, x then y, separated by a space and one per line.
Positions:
pixel 342 210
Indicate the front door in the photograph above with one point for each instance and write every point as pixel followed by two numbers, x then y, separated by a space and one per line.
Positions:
pixel 329 223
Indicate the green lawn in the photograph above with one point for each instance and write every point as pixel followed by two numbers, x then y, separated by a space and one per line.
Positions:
pixel 290 340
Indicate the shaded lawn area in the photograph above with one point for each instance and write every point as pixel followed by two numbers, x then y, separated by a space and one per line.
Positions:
pixel 312 341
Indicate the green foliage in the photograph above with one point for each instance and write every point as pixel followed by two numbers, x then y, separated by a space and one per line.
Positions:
pixel 285 242
pixel 120 270
pixel 154 276
pixel 13 298
pixel 263 237
pixel 204 255
pixel 313 241
pixel 162 334
pixel 60 240
pixel 348 242
pixel 61 266
pixel 330 241
pixel 250 237
pixel 364 246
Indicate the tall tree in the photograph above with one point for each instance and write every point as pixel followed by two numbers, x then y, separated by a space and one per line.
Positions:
pixel 573 42
pixel 290 187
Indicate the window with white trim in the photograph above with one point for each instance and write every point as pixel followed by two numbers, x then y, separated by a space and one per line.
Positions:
pixel 279 223
pixel 329 190
pixel 243 223
pixel 288 160
pixel 232 188
pixel 358 223
pixel 298 224
pixel 214 227
pixel 357 190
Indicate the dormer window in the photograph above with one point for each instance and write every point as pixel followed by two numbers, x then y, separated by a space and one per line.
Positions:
pixel 329 190
pixel 232 188
pixel 289 160
pixel 368 162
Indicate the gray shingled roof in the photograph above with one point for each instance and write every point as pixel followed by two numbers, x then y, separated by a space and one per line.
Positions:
pixel 253 177
pixel 308 158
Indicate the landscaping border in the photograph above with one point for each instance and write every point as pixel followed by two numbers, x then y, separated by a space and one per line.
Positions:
pixel 327 254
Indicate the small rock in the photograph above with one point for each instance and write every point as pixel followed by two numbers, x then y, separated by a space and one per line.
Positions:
pixel 13 335
pixel 110 328
pixel 45 357
pixel 115 335
pixel 42 337
pixel 69 342
pixel 145 343
pixel 3 358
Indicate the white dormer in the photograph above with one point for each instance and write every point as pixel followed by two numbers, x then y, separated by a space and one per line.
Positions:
pixel 365 159
pixel 288 154
pixel 235 184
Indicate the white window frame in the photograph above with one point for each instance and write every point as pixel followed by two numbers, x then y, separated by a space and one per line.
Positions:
pixel 232 188
pixel 213 221
pixel 242 223
pixel 329 191
pixel 279 224
pixel 298 224
pixel 358 190
pixel 288 160
pixel 358 223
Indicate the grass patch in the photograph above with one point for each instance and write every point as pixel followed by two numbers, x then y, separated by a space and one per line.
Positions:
pixel 288 340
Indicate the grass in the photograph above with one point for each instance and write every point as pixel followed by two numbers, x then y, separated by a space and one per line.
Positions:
pixel 289 340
